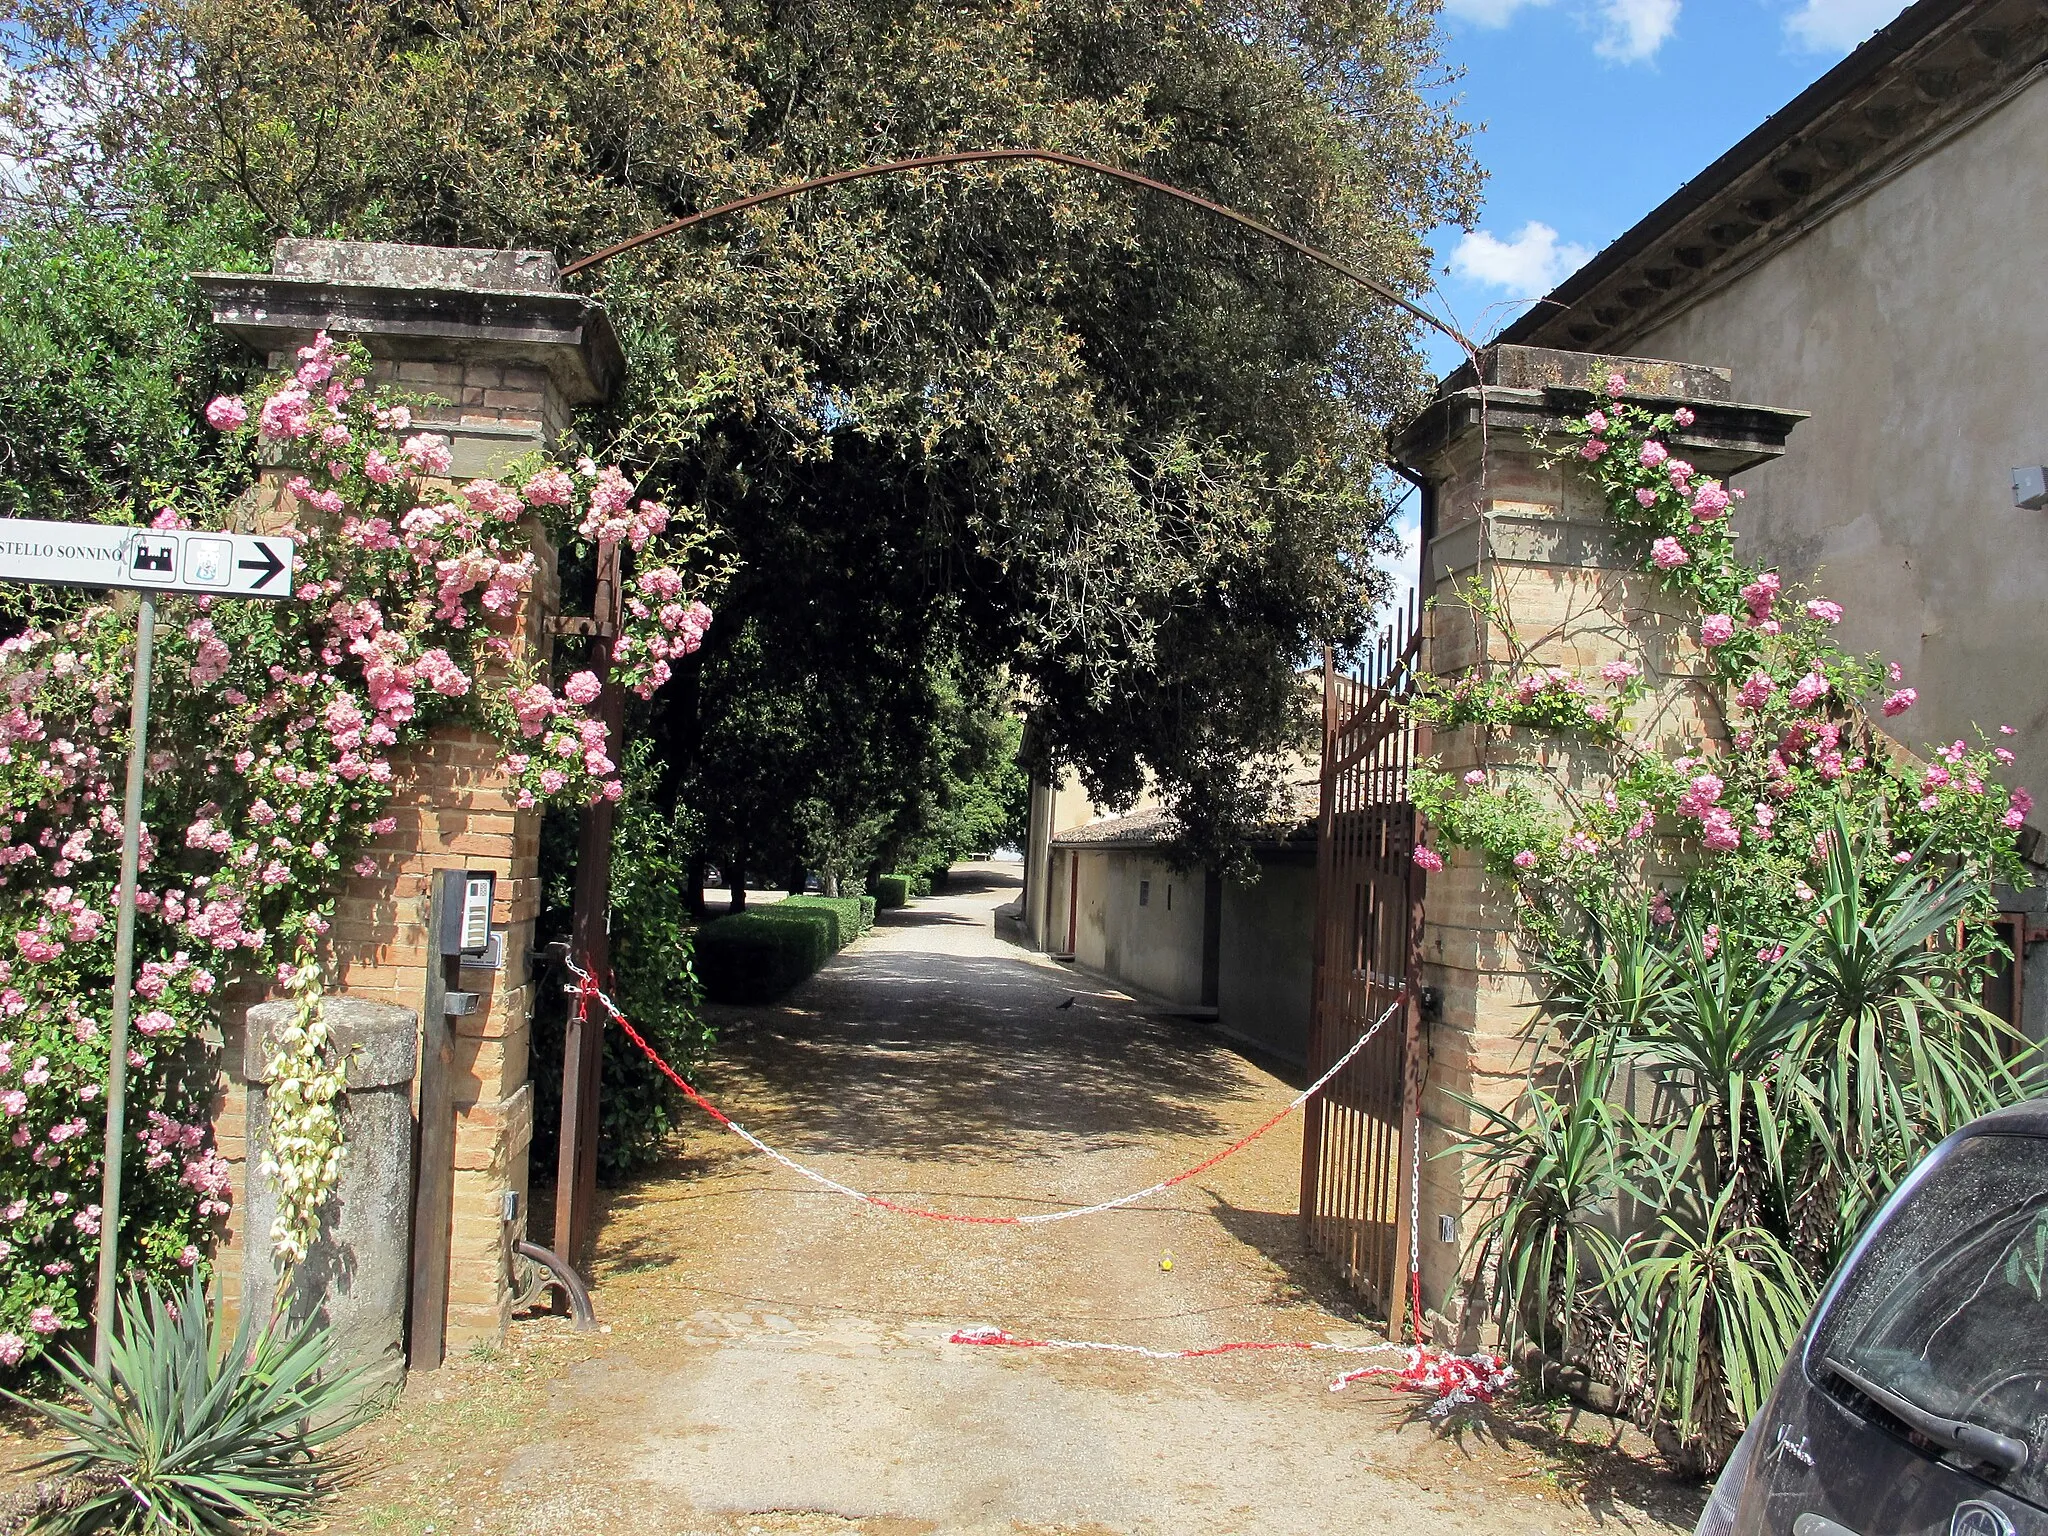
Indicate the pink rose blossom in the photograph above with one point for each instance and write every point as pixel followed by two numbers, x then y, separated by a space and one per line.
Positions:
pixel 1828 613
pixel 1653 454
pixel 1592 449
pixel 1709 501
pixel 1901 701
pixel 1718 832
pixel 12 1347
pixel 224 413
pixel 1620 672
pixel 1646 497
pixel 1526 859
pixel 1808 691
pixel 583 688
pixel 1716 629
pixel 1428 858
pixel 1683 416
pixel 44 1320
pixel 1616 385
pixel 1757 691
pixel 1667 554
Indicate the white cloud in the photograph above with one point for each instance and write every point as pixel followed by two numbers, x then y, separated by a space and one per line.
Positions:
pixel 1836 26
pixel 1527 267
pixel 1628 31
pixel 1404 565
pixel 1633 30
pixel 1488 13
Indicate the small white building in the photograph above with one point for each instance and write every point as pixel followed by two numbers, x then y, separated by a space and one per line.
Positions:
pixel 1106 892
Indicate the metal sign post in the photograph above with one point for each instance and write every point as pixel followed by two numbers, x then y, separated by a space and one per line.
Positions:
pixel 152 560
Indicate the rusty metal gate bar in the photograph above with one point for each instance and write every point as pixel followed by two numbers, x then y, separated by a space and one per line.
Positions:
pixel 1368 944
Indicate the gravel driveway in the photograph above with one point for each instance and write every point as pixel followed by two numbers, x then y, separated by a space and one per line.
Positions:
pixel 776 1360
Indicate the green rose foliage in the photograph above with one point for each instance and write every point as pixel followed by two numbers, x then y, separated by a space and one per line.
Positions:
pixel 272 771
pixel 1749 819
pixel 1777 939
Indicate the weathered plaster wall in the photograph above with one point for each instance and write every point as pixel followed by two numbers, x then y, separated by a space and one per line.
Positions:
pixel 1155 944
pixel 1266 968
pixel 1913 324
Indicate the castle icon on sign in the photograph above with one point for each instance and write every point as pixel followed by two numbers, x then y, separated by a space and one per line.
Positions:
pixel 153 559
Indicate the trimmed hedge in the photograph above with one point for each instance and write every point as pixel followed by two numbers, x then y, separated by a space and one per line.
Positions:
pixel 867 913
pixel 843 910
pixel 892 891
pixel 757 955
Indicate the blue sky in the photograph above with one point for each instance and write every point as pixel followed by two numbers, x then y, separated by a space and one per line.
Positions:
pixel 1595 111
pixel 1589 113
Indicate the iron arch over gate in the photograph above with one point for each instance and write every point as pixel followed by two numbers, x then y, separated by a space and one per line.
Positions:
pixel 1357 1141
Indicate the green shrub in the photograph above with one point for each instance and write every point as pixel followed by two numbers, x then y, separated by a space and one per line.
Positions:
pixel 843 910
pixel 921 883
pixel 867 913
pixel 653 977
pixel 892 891
pixel 756 956
pixel 936 877
pixel 189 1430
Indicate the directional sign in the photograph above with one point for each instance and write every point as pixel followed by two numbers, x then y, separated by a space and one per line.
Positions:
pixel 160 559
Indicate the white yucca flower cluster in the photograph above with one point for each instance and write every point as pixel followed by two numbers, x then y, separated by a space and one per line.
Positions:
pixel 304 1157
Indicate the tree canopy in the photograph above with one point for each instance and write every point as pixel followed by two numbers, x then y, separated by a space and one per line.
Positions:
pixel 950 422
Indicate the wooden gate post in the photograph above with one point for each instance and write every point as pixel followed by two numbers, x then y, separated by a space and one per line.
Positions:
pixel 591 946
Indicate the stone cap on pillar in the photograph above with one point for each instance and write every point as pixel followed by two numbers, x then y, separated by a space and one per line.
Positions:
pixel 377 1042
pixel 1517 390
pixel 489 332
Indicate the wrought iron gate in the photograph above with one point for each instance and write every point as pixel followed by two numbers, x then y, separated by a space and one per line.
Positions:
pixel 1368 943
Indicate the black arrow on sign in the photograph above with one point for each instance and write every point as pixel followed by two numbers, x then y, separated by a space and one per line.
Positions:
pixel 269 565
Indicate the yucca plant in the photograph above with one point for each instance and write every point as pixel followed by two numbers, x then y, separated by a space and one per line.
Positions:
pixel 1548 1226
pixel 190 1431
pixel 1897 1054
pixel 1715 1300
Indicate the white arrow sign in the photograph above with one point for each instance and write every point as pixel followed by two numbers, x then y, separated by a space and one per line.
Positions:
pixel 161 559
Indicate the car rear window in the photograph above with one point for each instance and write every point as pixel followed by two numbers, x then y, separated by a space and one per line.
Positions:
pixel 1949 1306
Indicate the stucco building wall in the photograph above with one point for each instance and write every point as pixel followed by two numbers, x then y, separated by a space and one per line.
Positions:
pixel 1266 964
pixel 1913 323
pixel 1138 920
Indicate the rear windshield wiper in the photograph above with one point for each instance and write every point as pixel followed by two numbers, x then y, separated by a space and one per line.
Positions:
pixel 1973 1440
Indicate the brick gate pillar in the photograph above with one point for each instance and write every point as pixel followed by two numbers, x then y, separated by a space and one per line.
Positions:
pixel 491 336
pixel 1538 541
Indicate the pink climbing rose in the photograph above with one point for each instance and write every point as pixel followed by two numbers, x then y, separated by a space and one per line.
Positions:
pixel 1526 859
pixel 1900 702
pixel 1808 691
pixel 583 688
pixel 1709 501
pixel 1616 385
pixel 1827 612
pixel 1757 691
pixel 1719 833
pixel 226 412
pixel 1653 454
pixel 1716 629
pixel 1428 858
pixel 1667 554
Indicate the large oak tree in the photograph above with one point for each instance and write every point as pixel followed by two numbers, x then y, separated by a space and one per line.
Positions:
pixel 949 422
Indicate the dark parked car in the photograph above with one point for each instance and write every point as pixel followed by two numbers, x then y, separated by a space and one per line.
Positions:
pixel 1916 1400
